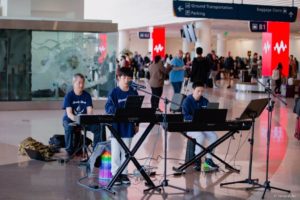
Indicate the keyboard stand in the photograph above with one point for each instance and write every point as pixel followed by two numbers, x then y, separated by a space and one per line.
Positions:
pixel 208 150
pixel 130 156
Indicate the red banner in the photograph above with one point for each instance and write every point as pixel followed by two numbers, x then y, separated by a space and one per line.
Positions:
pixel 267 54
pixel 102 48
pixel 159 41
pixel 280 44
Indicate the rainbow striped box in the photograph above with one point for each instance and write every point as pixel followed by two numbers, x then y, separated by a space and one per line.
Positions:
pixel 105 167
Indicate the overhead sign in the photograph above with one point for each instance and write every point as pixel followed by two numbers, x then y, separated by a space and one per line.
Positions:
pixel 258 26
pixel 196 9
pixel 144 35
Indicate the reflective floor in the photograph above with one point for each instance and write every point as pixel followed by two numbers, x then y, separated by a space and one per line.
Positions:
pixel 22 178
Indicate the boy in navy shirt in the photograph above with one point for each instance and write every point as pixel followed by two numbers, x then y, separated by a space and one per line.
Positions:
pixel 191 103
pixel 77 102
pixel 116 100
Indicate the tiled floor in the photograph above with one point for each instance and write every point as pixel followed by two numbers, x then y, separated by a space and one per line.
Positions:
pixel 22 178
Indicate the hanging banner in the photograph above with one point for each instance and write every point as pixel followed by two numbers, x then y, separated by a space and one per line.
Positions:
pixel 266 54
pixel 280 44
pixel 275 48
pixel 102 48
pixel 159 41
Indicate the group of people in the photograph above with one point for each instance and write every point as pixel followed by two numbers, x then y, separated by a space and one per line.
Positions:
pixel 78 102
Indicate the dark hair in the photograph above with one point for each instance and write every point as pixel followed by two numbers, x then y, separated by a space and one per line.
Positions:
pixel 198 84
pixel 279 66
pixel 123 57
pixel 199 50
pixel 157 58
pixel 125 71
pixel 78 75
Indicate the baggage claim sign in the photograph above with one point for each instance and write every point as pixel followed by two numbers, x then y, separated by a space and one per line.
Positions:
pixel 195 9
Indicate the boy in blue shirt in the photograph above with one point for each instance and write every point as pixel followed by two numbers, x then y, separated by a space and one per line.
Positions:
pixel 191 103
pixel 77 102
pixel 116 100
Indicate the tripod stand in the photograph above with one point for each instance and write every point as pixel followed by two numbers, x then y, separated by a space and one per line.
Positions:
pixel 248 180
pixel 83 148
pixel 267 183
pixel 165 182
pixel 252 111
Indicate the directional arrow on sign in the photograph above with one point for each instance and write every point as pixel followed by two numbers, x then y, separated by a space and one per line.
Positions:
pixel 180 8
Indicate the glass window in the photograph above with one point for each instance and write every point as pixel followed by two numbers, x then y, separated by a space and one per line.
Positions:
pixel 56 56
pixel 40 64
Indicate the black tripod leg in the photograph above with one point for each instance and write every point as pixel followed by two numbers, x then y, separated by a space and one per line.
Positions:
pixel 178 188
pixel 284 190
pixel 233 182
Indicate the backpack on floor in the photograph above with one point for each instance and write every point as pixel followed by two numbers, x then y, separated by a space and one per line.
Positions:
pixel 30 143
pixel 57 141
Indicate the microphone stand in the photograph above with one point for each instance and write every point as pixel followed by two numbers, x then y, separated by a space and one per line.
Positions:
pixel 267 183
pixel 165 182
pixel 248 180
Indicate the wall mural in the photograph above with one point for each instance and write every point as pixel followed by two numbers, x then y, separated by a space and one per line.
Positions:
pixel 56 56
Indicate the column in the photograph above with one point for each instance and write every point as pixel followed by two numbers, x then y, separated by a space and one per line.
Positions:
pixel 221 45
pixel 123 40
pixel 203 32
pixel 150 42
pixel 185 46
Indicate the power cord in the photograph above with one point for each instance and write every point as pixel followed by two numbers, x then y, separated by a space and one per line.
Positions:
pixel 147 168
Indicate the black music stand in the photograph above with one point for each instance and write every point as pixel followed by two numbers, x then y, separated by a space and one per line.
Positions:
pixel 252 111
pixel 267 183
pixel 165 182
pixel 134 102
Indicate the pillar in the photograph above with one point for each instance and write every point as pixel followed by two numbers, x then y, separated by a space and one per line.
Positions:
pixel 221 45
pixel 123 40
pixel 203 32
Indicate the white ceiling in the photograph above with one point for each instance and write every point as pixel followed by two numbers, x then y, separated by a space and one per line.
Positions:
pixel 135 15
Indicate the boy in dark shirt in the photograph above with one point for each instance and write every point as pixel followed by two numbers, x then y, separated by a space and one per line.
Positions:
pixel 191 103
pixel 116 100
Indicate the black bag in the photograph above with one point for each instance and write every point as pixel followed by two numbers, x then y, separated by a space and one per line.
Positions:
pixel 57 141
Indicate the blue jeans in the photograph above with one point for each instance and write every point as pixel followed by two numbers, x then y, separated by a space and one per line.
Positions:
pixel 70 135
pixel 176 86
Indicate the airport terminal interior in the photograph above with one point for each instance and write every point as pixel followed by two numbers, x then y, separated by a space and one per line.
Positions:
pixel 43 44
